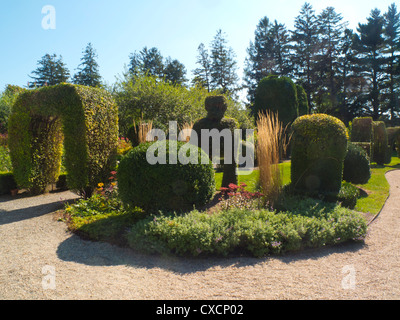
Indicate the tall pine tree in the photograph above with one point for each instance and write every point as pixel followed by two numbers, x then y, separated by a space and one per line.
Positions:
pixel 88 71
pixel 369 44
pixel 202 75
pixel 392 51
pixel 306 46
pixel 331 33
pixel 223 66
pixel 50 71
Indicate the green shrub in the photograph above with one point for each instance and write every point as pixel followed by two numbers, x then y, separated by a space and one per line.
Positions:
pixel 7 183
pixel 362 130
pixel 392 133
pixel 277 94
pixel 356 165
pixel 381 153
pixel 367 147
pixel 87 119
pixel 165 186
pixel 319 146
pixel 254 232
pixel 5 160
pixel 398 145
pixel 302 100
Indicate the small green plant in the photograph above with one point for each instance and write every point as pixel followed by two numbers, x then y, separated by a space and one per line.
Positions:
pixel 356 168
pixel 5 160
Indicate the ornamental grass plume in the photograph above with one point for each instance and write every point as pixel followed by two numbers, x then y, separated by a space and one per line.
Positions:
pixel 271 144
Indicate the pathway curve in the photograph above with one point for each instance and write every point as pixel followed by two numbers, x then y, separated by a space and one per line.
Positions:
pixel 34 247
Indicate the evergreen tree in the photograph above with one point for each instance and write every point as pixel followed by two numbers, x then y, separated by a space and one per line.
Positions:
pixel 147 61
pixel 257 64
pixel 50 71
pixel 331 33
pixel 88 71
pixel 223 66
pixel 392 48
pixel 369 44
pixel 202 75
pixel 151 62
pixel 306 45
pixel 174 71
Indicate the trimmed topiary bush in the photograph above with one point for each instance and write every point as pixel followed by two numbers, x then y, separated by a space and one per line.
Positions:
pixel 216 107
pixel 302 100
pixel 381 152
pixel 277 94
pixel 362 130
pixel 86 119
pixel 319 146
pixel 7 183
pixel 356 165
pixel 171 187
pixel 392 133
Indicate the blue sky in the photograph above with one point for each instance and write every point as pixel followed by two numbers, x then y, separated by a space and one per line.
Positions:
pixel 120 27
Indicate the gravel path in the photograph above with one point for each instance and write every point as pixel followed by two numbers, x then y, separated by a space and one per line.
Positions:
pixel 39 259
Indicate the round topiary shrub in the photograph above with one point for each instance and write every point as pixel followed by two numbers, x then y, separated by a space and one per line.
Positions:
pixel 356 165
pixel 277 94
pixel 319 146
pixel 165 185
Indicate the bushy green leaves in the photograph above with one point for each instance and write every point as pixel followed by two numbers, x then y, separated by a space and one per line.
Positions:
pixel 88 119
pixel 258 233
pixel 165 186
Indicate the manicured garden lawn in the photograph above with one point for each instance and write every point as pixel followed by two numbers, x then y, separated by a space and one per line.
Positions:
pixel 377 188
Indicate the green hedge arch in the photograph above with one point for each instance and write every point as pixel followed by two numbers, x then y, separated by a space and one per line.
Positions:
pixel 81 119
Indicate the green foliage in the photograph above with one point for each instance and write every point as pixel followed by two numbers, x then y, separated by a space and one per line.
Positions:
pixel 145 97
pixel 302 100
pixel 50 71
pixel 356 165
pixel 88 71
pixel 7 99
pixel 367 147
pixel 277 94
pixel 381 150
pixel 165 186
pixel 393 133
pixel 88 120
pixel 7 183
pixel 5 160
pixel 398 145
pixel 258 233
pixel 319 146
pixel 362 130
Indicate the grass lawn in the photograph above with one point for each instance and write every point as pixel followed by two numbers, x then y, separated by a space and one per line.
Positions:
pixel 377 188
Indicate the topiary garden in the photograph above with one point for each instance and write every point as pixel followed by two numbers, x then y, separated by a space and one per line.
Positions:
pixel 167 196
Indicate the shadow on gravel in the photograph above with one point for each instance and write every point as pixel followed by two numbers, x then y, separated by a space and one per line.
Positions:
pixel 75 249
pixel 7 217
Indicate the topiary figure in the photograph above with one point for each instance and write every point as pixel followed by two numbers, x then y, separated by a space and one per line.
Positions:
pixel 362 130
pixel 277 94
pixel 356 165
pixel 381 150
pixel 216 107
pixel 169 186
pixel 319 146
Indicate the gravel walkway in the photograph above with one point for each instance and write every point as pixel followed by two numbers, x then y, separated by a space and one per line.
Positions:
pixel 39 259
